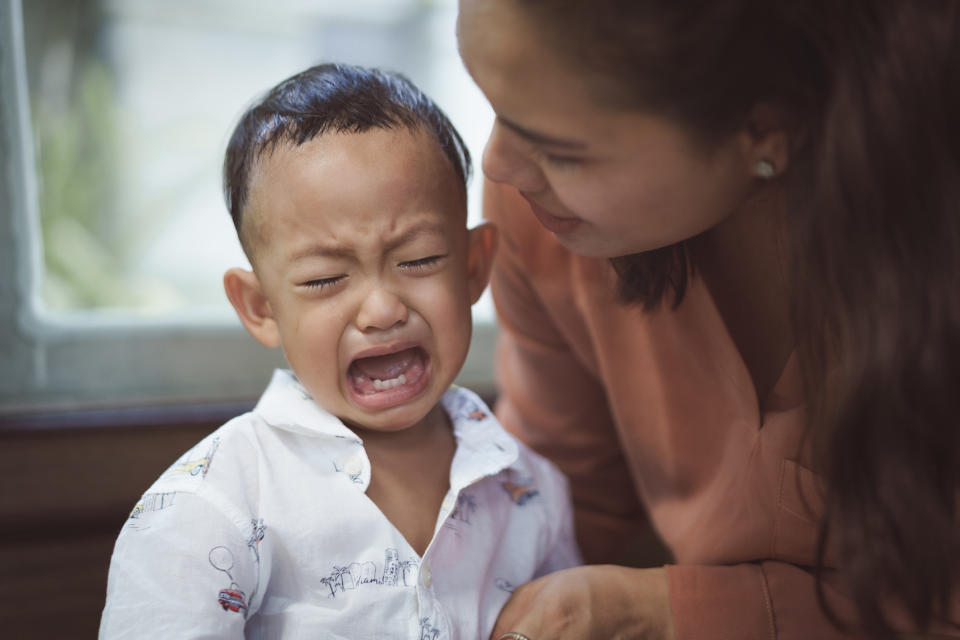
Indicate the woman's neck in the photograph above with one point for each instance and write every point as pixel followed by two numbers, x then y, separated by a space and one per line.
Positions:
pixel 743 263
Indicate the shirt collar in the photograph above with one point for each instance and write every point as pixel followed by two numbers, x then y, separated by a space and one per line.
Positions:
pixel 287 405
pixel 483 446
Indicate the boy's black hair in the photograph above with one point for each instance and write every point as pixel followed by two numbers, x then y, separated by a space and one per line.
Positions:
pixel 331 97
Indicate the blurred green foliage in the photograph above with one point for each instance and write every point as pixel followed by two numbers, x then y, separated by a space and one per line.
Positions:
pixel 75 124
pixel 75 162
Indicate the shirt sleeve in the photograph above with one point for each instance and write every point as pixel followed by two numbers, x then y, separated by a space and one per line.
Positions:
pixel 181 568
pixel 550 401
pixel 564 552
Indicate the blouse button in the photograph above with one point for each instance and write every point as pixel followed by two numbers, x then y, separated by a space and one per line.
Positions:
pixel 425 577
pixel 353 466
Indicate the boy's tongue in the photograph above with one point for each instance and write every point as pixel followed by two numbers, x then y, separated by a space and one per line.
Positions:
pixel 387 366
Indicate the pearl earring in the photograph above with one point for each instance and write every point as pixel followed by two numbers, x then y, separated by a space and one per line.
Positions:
pixel 764 169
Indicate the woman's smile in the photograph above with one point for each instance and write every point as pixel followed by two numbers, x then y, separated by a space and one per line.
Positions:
pixel 555 224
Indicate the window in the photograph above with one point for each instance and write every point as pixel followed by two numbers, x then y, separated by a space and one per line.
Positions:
pixel 114 115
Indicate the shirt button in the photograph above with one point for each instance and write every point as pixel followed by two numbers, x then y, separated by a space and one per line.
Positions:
pixel 353 466
pixel 448 503
pixel 425 577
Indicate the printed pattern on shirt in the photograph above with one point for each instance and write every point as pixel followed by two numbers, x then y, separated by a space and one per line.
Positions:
pixel 466 408
pixel 199 466
pixel 427 630
pixel 153 502
pixel 504 585
pixel 232 597
pixel 521 490
pixel 466 506
pixel 395 573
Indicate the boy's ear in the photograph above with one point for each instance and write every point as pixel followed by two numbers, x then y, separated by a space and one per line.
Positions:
pixel 246 295
pixel 483 245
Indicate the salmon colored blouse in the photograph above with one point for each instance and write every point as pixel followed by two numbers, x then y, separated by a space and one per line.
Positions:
pixel 654 417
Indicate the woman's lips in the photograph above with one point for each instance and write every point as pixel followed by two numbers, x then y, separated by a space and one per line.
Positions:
pixel 554 224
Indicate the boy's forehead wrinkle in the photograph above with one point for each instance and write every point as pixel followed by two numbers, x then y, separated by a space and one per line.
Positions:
pixel 396 235
pixel 424 226
pixel 341 194
pixel 320 251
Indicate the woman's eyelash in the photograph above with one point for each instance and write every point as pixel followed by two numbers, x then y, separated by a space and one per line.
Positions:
pixel 556 160
pixel 322 283
pixel 421 263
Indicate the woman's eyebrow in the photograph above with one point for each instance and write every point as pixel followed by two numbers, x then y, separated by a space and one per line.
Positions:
pixel 541 138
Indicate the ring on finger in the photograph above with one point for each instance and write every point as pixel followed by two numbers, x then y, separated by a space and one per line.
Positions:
pixel 513 635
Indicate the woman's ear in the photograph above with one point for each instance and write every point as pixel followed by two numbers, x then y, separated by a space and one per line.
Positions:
pixel 248 300
pixel 482 242
pixel 766 141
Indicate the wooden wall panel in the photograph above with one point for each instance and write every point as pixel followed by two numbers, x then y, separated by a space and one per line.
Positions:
pixel 64 494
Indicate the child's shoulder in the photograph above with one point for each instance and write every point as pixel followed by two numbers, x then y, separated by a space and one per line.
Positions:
pixel 223 452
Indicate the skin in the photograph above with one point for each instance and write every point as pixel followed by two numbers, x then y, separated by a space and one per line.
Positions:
pixel 608 182
pixel 351 263
pixel 619 181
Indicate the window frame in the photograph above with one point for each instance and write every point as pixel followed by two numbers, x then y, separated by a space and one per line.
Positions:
pixel 94 361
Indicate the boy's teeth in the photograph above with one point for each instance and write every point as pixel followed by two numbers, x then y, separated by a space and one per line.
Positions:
pixel 380 385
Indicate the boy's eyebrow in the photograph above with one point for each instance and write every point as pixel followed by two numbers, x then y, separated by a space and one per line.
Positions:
pixel 422 227
pixel 333 251
pixel 320 250
pixel 541 138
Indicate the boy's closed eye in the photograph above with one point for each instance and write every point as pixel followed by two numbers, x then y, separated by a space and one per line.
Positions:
pixel 322 284
pixel 422 264
pixel 417 266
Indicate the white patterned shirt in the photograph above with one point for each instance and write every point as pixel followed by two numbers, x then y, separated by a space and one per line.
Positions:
pixel 264 530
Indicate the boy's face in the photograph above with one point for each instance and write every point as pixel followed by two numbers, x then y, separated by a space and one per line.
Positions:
pixel 365 271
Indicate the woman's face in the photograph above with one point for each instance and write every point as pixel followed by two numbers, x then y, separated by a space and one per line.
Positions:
pixel 606 181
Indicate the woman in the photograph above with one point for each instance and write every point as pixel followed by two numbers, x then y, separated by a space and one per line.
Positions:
pixel 727 288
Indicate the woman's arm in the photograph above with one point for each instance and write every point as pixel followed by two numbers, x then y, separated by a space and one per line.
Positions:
pixel 598 601
pixel 548 397
pixel 763 601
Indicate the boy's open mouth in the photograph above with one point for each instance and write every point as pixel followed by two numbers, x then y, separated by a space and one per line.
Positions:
pixel 388 379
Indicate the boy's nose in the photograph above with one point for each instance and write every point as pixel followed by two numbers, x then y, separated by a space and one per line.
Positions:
pixel 505 160
pixel 381 310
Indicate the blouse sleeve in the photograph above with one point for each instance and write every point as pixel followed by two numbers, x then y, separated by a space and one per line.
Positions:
pixel 550 401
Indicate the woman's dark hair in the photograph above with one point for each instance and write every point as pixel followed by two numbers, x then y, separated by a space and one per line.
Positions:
pixel 872 91
pixel 702 63
pixel 876 233
pixel 331 97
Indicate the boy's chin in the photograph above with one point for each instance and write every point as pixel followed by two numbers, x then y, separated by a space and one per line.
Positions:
pixel 383 425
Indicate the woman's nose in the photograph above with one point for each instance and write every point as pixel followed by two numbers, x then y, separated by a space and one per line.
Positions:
pixel 381 310
pixel 507 160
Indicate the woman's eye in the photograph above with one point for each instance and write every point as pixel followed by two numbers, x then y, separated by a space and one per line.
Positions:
pixel 422 263
pixel 557 160
pixel 561 161
pixel 322 283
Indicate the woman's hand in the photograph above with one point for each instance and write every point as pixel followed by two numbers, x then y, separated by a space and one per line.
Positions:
pixel 598 601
